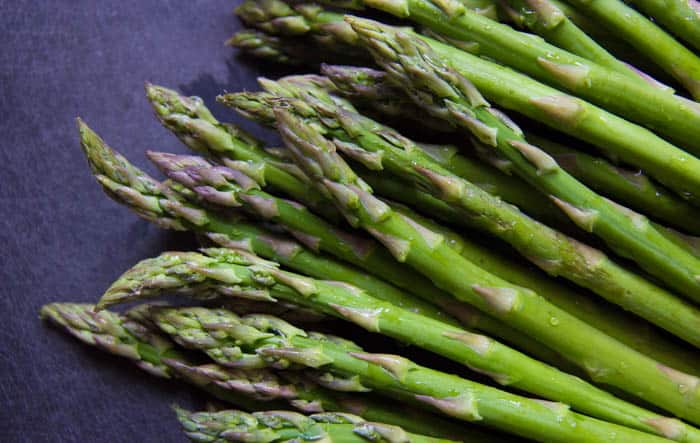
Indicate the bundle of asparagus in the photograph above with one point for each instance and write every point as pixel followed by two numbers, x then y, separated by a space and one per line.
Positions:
pixel 509 251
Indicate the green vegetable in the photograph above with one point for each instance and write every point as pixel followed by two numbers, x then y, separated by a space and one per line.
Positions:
pixel 648 38
pixel 380 147
pixel 606 360
pixel 370 87
pixel 616 137
pixel 282 344
pixel 132 336
pixel 433 84
pixel 287 426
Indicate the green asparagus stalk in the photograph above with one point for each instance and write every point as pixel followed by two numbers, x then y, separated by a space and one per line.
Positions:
pixel 364 139
pixel 156 203
pixel 444 93
pixel 294 50
pixel 626 328
pixel 201 276
pixel 648 38
pixel 605 359
pixel 616 137
pixel 679 17
pixel 545 19
pixel 284 344
pixel 286 426
pixel 133 337
pixel 368 86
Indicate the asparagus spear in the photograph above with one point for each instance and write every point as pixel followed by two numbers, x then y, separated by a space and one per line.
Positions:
pixel 286 426
pixel 545 19
pixel 616 137
pixel 442 92
pixel 648 38
pixel 555 253
pixel 367 86
pixel 601 356
pixel 679 17
pixel 133 337
pixel 294 51
pixel 401 378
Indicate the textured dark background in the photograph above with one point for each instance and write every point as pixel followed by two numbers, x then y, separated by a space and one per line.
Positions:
pixel 61 238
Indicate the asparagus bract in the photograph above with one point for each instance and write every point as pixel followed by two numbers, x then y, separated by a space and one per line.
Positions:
pixel 433 84
pixel 393 375
pixel 287 426
pixel 617 138
pixel 364 139
pixel 425 251
pixel 368 87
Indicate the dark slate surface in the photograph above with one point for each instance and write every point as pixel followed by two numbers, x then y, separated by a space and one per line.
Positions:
pixel 61 238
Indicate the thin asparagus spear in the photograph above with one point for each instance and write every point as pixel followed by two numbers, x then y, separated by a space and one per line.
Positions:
pixel 364 139
pixel 285 426
pixel 368 86
pixel 133 337
pixel 284 344
pixel 433 84
pixel 616 137
pixel 680 17
pixel 545 19
pixel 294 51
pixel 648 38
pixel 605 359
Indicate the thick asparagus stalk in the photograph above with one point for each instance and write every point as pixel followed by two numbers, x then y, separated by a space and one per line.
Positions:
pixel 444 93
pixel 648 38
pixel 616 137
pixel 285 426
pixel 555 253
pixel 398 377
pixel 133 337
pixel 367 86
pixel 425 250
